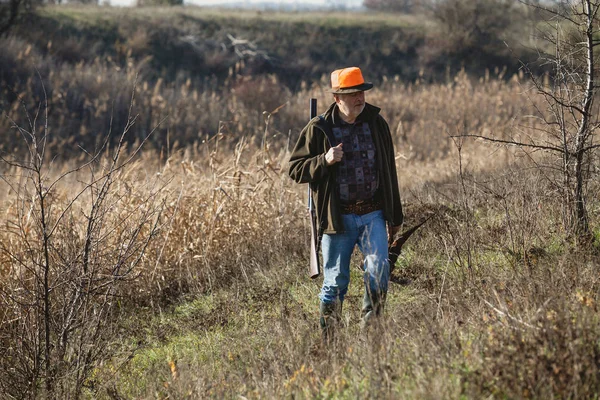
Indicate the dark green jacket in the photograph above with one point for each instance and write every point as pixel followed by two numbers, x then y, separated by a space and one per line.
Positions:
pixel 308 165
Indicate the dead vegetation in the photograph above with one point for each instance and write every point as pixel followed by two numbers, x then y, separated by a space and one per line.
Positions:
pixel 499 302
pixel 180 271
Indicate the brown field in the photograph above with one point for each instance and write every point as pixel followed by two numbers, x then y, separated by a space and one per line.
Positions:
pixel 499 303
pixel 169 260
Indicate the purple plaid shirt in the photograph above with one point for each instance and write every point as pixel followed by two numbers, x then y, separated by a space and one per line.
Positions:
pixel 357 172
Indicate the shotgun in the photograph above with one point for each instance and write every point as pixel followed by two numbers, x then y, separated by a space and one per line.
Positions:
pixel 315 265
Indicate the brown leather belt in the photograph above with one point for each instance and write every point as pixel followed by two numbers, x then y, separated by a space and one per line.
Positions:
pixel 361 207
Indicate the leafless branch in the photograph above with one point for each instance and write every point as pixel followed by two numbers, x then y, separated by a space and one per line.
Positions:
pixel 510 142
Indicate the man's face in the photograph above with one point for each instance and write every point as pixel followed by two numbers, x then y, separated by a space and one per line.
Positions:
pixel 351 104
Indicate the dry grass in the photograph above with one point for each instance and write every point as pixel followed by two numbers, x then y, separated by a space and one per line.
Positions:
pixel 499 305
pixel 85 99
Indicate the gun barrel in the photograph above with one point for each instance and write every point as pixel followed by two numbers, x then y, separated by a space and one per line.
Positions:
pixel 313 113
pixel 315 265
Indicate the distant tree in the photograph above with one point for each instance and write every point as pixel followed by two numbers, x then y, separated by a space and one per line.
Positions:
pixel 571 118
pixel 472 33
pixel 11 11
pixel 469 24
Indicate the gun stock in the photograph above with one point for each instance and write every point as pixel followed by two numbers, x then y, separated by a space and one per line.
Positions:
pixel 315 264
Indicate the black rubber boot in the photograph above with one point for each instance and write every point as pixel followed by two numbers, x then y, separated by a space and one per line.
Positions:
pixel 330 317
pixel 373 304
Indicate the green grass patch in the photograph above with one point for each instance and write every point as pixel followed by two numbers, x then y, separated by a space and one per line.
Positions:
pixel 93 15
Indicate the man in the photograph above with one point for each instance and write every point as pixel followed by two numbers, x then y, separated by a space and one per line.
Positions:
pixel 347 157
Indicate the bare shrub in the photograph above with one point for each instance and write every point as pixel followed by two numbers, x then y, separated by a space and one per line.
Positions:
pixel 13 11
pixel 68 255
pixel 569 115
pixel 472 30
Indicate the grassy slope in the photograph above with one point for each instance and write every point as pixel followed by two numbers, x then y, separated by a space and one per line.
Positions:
pixel 94 16
pixel 301 47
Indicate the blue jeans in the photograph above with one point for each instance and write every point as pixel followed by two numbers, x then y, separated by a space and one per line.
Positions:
pixel 370 234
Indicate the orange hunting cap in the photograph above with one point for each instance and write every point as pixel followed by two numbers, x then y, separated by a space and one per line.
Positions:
pixel 348 80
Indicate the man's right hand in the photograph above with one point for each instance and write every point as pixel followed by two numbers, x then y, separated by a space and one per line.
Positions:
pixel 334 154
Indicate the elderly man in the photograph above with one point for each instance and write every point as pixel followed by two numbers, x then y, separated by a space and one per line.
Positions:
pixel 347 157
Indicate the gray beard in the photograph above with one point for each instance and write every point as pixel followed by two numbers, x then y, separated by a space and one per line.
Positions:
pixel 351 116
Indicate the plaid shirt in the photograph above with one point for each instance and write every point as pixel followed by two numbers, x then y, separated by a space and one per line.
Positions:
pixel 357 172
